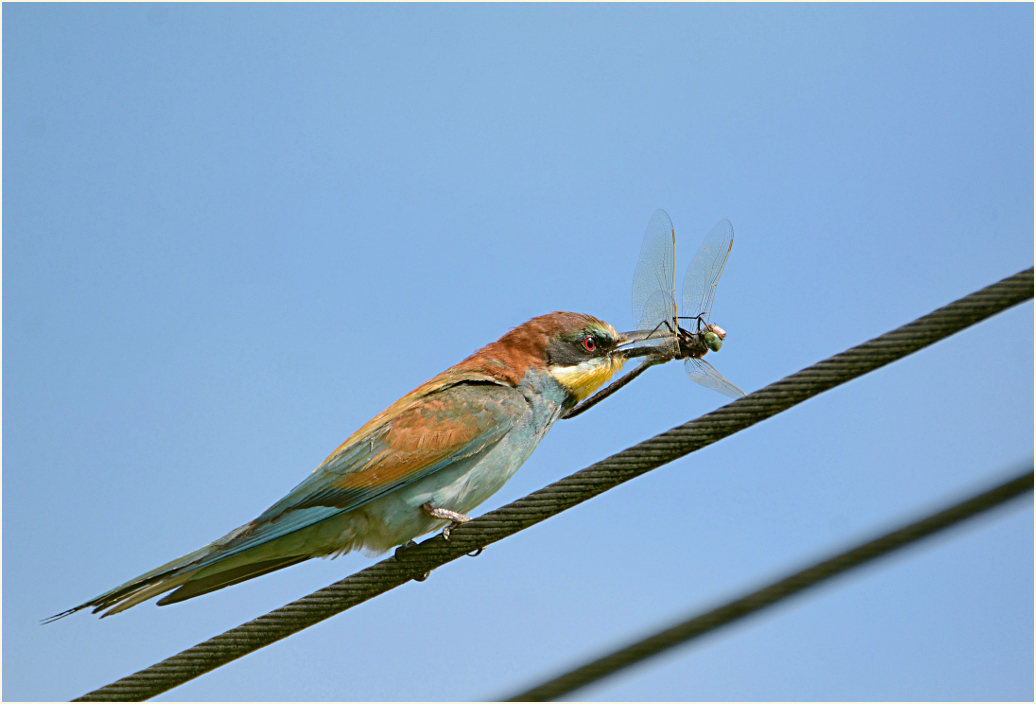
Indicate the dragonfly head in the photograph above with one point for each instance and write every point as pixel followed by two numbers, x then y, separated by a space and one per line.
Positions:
pixel 714 336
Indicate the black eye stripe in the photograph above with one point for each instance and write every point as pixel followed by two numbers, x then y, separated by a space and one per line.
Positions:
pixel 579 347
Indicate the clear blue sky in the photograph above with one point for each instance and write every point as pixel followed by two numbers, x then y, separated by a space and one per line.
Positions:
pixel 233 233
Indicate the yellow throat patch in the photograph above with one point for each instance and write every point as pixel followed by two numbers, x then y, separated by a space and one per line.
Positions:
pixel 586 377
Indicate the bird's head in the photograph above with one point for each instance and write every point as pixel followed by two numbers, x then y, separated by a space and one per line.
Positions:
pixel 577 350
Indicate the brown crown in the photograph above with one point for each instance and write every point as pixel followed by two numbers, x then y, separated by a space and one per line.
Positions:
pixel 524 347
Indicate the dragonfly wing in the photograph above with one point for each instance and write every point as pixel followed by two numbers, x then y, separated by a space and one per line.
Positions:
pixel 702 277
pixel 654 281
pixel 705 374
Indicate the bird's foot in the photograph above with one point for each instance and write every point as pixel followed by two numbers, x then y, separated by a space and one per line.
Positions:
pixel 398 554
pixel 403 548
pixel 445 514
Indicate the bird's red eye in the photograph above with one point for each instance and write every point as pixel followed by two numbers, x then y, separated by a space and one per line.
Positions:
pixel 589 344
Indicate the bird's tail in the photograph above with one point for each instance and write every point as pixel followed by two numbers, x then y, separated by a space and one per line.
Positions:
pixel 194 574
pixel 272 541
pixel 161 579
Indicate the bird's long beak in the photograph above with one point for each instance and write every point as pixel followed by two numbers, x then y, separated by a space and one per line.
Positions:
pixel 644 343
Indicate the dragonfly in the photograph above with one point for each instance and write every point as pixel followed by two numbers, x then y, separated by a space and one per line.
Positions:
pixel 661 335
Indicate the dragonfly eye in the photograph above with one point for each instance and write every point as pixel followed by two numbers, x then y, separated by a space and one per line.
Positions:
pixel 589 343
pixel 712 341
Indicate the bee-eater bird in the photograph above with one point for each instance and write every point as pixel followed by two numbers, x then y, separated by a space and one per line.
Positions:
pixel 422 463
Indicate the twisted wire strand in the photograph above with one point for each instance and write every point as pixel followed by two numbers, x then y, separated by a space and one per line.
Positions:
pixel 417 561
pixel 779 590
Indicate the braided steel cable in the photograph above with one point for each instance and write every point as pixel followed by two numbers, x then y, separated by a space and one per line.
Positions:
pixel 777 591
pixel 415 562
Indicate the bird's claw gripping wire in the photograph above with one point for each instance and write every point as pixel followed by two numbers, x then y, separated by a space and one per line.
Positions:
pixel 401 550
pixel 398 554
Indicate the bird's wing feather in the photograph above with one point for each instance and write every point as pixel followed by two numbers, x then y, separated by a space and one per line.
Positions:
pixel 438 428
pixel 403 445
